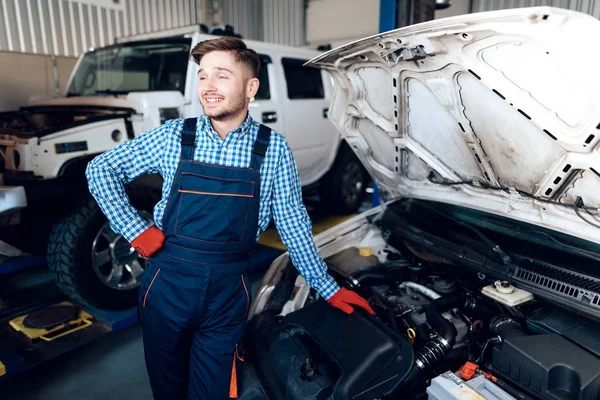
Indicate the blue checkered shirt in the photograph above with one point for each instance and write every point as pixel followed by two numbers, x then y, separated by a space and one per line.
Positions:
pixel 158 151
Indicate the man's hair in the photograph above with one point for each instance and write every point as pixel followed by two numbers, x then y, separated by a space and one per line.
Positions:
pixel 241 52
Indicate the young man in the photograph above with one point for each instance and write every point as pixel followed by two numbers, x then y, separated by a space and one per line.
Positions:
pixel 225 176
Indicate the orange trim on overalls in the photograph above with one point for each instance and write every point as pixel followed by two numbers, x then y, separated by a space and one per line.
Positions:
pixel 247 296
pixel 215 194
pixel 149 286
pixel 233 388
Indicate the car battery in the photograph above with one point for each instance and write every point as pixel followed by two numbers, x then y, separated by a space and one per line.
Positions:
pixel 448 386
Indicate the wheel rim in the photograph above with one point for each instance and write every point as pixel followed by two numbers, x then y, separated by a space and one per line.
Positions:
pixel 352 183
pixel 115 262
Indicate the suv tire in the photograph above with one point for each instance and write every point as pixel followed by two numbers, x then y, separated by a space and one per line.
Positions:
pixel 78 248
pixel 342 190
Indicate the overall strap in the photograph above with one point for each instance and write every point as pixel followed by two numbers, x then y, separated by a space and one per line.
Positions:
pixel 260 146
pixel 188 138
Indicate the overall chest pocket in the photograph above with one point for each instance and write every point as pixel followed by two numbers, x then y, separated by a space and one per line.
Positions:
pixel 213 209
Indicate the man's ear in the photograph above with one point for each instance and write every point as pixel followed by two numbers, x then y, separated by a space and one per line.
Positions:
pixel 252 87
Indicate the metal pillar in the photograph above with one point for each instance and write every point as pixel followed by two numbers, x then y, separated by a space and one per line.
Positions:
pixel 387 15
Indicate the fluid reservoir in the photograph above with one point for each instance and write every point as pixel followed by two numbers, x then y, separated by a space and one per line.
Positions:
pixel 505 293
pixel 351 260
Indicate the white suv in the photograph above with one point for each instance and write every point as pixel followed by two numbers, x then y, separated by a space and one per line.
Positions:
pixel 120 91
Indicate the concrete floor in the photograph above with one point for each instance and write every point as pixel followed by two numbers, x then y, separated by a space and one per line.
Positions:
pixel 112 368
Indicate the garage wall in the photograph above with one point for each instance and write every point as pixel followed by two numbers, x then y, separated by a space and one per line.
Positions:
pixel 25 75
pixel 69 27
pixel 273 21
pixel 338 22
pixel 590 7
pixel 341 21
pixel 458 7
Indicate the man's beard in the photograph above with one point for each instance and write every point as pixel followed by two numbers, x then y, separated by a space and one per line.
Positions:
pixel 238 104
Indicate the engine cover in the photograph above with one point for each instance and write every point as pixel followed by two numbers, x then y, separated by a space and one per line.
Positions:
pixel 549 366
pixel 319 352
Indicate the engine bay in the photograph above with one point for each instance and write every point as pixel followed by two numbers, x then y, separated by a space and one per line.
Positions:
pixel 440 330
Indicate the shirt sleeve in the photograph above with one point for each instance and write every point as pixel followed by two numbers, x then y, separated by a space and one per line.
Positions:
pixel 295 227
pixel 108 173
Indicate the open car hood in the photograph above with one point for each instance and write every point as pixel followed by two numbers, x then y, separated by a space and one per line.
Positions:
pixel 496 111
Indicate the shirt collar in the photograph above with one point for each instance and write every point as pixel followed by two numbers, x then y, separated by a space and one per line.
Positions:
pixel 240 131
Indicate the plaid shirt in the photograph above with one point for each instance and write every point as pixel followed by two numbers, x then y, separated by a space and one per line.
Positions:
pixel 158 151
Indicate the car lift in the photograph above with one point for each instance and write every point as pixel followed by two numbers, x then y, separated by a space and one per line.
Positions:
pixel 38 322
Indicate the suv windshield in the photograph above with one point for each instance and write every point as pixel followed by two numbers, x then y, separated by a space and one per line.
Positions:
pixel 151 65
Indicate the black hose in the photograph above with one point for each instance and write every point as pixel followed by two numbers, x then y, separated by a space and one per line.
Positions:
pixel 379 273
pixel 442 326
pixel 438 347
pixel 361 278
pixel 480 308
pixel 505 327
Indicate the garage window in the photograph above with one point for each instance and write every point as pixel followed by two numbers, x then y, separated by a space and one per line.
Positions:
pixel 302 82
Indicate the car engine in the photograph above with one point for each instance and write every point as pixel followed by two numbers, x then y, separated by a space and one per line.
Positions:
pixel 438 330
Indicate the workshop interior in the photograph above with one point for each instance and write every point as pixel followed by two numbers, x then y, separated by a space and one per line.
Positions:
pixel 423 223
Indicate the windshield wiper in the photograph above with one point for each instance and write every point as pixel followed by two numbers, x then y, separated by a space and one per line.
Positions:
pixel 396 229
pixel 504 256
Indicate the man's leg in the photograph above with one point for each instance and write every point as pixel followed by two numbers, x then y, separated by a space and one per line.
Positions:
pixel 167 366
pixel 164 312
pixel 219 340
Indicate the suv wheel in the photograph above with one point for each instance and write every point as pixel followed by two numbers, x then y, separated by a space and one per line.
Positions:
pixel 92 264
pixel 343 189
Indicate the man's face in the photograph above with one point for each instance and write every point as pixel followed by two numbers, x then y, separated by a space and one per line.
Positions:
pixel 224 85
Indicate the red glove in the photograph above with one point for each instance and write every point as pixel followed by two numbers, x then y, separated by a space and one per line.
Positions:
pixel 344 297
pixel 149 241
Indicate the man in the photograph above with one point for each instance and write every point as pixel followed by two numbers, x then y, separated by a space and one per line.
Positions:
pixel 225 176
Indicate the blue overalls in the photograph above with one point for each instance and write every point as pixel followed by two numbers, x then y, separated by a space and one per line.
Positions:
pixel 195 294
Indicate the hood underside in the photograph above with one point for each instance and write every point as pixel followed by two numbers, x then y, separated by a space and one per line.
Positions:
pixel 496 111
pixel 40 121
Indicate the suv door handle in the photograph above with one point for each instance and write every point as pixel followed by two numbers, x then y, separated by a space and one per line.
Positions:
pixel 325 111
pixel 269 116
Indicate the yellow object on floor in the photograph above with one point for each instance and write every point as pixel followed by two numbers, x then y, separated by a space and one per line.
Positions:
pixel 271 237
pixel 83 320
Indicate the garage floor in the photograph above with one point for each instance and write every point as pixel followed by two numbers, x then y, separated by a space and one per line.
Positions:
pixel 113 367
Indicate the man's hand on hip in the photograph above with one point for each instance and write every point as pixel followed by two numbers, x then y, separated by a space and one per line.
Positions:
pixel 149 242
pixel 343 299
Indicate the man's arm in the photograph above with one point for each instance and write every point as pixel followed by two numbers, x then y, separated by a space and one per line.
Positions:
pixel 295 227
pixel 108 173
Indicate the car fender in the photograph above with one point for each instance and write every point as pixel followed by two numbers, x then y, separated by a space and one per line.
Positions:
pixel 50 157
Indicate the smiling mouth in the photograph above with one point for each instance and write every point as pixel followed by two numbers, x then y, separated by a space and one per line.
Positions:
pixel 213 100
